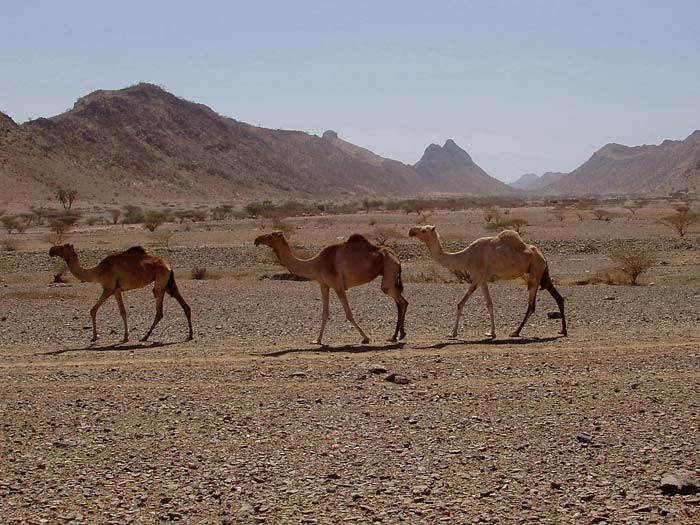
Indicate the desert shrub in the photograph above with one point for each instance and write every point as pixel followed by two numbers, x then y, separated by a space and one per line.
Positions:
pixel 66 197
pixel 369 204
pixel 634 206
pixel 514 224
pixel 558 213
pixel 383 236
pixel 633 262
pixel 133 215
pixel 115 214
pixel 59 272
pixel 2 212
pixel 162 239
pixel 603 215
pixel 92 220
pixel 279 224
pixel 200 273
pixel 490 214
pixel 221 213
pixel 153 219
pixel 197 216
pixel 681 221
pixel 61 224
pixel 9 245
pixel 11 223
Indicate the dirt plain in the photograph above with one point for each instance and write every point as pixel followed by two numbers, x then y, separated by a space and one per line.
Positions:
pixel 249 423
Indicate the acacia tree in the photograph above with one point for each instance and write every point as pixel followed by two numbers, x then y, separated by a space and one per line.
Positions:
pixel 633 262
pixel 66 197
pixel 681 221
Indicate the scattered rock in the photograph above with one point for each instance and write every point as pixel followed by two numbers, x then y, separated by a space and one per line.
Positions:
pixel 398 379
pixel 679 482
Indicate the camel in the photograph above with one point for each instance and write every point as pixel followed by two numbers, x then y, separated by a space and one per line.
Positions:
pixel 123 271
pixel 491 259
pixel 342 266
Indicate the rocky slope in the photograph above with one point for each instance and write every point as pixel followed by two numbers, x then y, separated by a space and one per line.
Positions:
pixel 451 168
pixel 143 143
pixel 672 166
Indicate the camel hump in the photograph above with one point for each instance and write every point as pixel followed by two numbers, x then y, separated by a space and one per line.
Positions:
pixel 356 237
pixel 511 238
pixel 136 250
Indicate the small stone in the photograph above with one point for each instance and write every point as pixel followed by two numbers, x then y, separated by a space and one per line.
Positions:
pixel 584 437
pixel 609 298
pixel 397 379
pixel 679 482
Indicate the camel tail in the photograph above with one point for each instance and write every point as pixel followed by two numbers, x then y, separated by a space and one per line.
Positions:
pixel 546 280
pixel 171 287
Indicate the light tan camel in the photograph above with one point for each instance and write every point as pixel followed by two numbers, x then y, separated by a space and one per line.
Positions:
pixel 123 271
pixel 342 266
pixel 491 259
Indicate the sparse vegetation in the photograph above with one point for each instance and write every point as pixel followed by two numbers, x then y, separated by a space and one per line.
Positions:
pixel 161 239
pixel 603 215
pixel 383 235
pixel 491 214
pixel 153 219
pixel 66 197
pixel 681 221
pixel 280 225
pixel 633 262
pixel 515 224
pixel 200 273
pixel 9 245
pixel 115 214
pixel 11 223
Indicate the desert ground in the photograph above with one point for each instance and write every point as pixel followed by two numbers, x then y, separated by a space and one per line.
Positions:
pixel 251 423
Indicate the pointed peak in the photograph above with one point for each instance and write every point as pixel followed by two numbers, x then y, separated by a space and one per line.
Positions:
pixel 6 122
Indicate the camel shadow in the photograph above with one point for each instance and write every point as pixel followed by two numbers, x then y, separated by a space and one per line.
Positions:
pixel 114 347
pixel 489 341
pixel 349 349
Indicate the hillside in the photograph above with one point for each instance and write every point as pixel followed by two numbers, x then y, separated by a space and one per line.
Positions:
pixel 672 166
pixel 143 143
pixel 453 170
pixel 533 182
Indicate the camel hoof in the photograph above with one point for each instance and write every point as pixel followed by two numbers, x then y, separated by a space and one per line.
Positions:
pixel 365 341
pixel 563 332
pixel 490 335
pixel 94 339
pixel 514 334
pixel 143 339
pixel 125 340
pixel 453 335
pixel 392 339
pixel 403 336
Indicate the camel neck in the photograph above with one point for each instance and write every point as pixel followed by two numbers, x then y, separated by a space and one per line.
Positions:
pixel 86 275
pixel 301 267
pixel 446 259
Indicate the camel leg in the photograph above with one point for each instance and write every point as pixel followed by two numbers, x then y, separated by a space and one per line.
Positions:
pixel 173 290
pixel 324 314
pixel 158 293
pixel 560 303
pixel 348 314
pixel 532 297
pixel 93 311
pixel 460 306
pixel 489 307
pixel 122 312
pixel 390 287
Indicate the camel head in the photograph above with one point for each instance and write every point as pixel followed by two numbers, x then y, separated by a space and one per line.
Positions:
pixel 270 239
pixel 424 233
pixel 64 251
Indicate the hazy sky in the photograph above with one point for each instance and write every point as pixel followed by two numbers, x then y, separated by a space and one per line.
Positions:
pixel 523 86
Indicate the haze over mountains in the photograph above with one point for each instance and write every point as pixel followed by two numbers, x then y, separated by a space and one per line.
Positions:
pixel 143 143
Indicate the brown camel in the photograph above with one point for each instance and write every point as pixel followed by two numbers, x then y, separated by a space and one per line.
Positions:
pixel 123 271
pixel 342 266
pixel 490 259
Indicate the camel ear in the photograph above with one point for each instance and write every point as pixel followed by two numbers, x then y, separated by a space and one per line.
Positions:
pixel 431 228
pixel 278 234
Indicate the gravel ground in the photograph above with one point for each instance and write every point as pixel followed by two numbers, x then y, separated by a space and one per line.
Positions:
pixel 249 423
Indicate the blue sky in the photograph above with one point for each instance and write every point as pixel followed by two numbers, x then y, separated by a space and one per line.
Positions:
pixel 523 86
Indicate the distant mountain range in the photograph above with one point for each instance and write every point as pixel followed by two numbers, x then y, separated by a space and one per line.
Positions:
pixel 143 143
pixel 533 182
pixel 672 166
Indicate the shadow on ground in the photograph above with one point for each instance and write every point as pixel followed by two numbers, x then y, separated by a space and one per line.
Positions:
pixel 489 341
pixel 116 347
pixel 350 349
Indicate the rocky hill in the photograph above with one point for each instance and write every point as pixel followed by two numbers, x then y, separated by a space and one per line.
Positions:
pixel 533 182
pixel 143 143
pixel 672 166
pixel 453 170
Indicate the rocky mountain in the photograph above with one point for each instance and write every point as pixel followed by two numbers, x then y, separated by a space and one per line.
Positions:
pixel 452 169
pixel 534 182
pixel 143 143
pixel 669 167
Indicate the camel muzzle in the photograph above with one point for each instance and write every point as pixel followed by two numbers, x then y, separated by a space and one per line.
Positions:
pixel 412 232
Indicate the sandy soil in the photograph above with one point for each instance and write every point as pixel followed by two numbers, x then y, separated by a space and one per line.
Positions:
pixel 249 423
